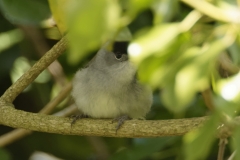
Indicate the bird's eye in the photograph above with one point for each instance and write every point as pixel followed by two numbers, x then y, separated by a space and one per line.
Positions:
pixel 118 56
pixel 121 56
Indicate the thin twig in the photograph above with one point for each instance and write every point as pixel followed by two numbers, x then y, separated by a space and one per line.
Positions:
pixel 100 147
pixel 58 99
pixel 67 111
pixel 37 39
pixel 12 136
pixel 207 97
pixel 221 150
pixel 232 156
pixel 13 91
pixel 227 64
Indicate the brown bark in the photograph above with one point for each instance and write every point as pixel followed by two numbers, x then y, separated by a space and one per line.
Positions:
pixel 96 127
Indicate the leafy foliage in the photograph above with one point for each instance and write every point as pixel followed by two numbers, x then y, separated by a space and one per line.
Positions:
pixel 181 49
pixel 24 11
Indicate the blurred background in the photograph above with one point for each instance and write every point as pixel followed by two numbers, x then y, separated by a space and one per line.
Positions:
pixel 171 42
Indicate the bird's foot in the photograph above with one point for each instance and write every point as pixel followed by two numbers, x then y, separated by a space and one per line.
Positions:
pixel 120 120
pixel 77 117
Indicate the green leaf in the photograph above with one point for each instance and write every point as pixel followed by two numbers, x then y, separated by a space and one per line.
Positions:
pixel 198 142
pixel 234 51
pixel 9 38
pixel 156 40
pixel 164 10
pixel 191 74
pixel 133 7
pixel 4 155
pixel 229 108
pixel 124 35
pixel 235 145
pixel 59 12
pixel 90 24
pixel 143 149
pixel 25 11
pixel 160 67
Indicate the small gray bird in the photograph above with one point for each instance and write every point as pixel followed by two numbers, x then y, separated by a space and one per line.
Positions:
pixel 108 88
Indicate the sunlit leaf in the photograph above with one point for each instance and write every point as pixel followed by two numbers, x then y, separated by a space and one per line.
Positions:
pixel 59 12
pixel 198 142
pixel 91 24
pixel 192 74
pixel 229 108
pixel 189 80
pixel 53 33
pixel 229 88
pixel 164 10
pixel 235 143
pixel 20 66
pixel 156 40
pixel 7 39
pixel 44 77
pixel 25 11
pixel 160 67
pixel 234 50
pixel 228 4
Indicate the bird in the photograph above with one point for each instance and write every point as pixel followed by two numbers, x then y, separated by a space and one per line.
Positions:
pixel 108 87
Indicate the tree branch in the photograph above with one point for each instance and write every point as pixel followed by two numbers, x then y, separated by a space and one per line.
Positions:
pixel 20 133
pixel 55 69
pixel 96 127
pixel 12 92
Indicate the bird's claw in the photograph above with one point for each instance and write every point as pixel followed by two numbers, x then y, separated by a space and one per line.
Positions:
pixel 120 121
pixel 77 117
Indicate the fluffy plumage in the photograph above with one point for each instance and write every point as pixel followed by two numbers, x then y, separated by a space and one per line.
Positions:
pixel 107 88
